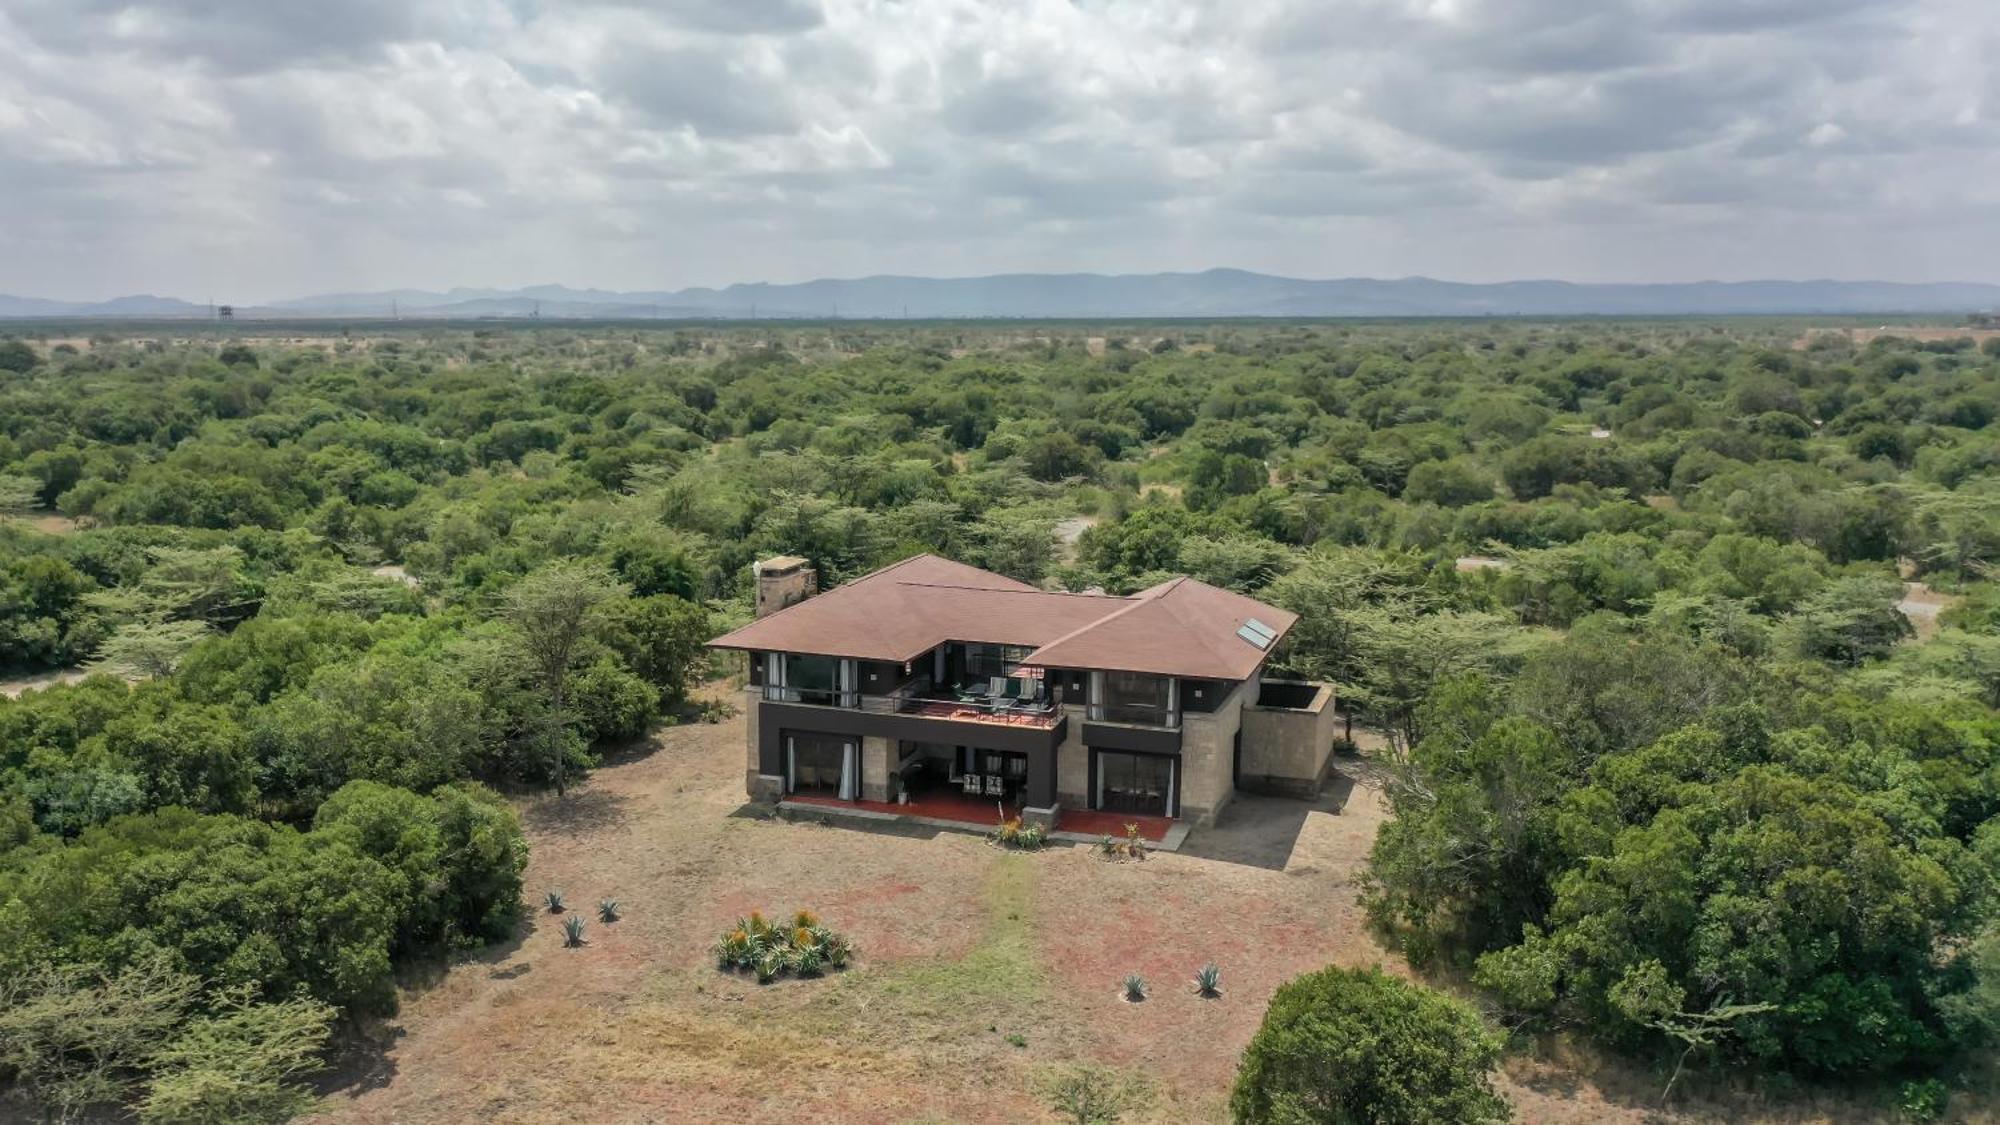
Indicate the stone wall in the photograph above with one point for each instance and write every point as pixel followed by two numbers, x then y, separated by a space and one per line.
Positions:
pixel 1073 765
pixel 877 759
pixel 1286 749
pixel 1208 758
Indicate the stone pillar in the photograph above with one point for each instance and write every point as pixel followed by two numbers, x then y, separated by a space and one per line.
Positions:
pixel 877 759
pixel 1073 764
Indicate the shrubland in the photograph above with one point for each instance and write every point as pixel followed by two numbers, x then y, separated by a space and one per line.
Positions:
pixel 1671 761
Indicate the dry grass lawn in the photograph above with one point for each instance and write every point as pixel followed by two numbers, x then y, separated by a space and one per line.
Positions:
pixel 961 948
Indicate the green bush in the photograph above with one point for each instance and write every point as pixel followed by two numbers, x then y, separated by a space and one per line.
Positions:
pixel 804 947
pixel 1356 1045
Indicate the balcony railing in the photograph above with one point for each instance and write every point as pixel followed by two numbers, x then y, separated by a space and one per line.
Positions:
pixel 1134 714
pixel 920 697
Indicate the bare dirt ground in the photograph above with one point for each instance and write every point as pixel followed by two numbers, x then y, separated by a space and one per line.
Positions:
pixel 1922 605
pixel 961 948
pixel 12 689
pixel 1069 531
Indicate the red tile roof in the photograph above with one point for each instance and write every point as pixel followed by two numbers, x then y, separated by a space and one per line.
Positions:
pixel 1178 628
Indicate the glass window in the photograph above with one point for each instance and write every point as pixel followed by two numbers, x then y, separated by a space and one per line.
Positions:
pixel 1134 697
pixel 1134 783
pixel 984 661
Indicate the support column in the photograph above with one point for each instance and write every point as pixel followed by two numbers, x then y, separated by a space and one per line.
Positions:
pixel 877 756
pixel 1039 804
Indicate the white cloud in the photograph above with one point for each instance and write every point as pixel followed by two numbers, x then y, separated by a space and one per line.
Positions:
pixel 263 150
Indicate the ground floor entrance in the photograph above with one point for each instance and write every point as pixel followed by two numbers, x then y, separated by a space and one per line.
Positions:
pixel 934 769
pixel 1140 784
pixel 822 764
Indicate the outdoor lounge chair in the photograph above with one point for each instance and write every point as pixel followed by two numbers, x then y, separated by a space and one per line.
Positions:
pixel 970 784
pixel 996 785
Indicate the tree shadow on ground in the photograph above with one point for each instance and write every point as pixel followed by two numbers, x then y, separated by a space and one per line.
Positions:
pixel 580 813
pixel 1259 831
pixel 361 1058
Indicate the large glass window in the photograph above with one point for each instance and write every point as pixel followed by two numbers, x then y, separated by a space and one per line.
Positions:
pixel 1135 783
pixel 796 677
pixel 822 764
pixel 984 661
pixel 1133 697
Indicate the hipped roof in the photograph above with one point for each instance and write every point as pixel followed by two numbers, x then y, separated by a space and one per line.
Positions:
pixel 1179 628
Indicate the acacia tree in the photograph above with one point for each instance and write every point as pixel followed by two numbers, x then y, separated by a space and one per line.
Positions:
pixel 78 1035
pixel 17 494
pixel 551 612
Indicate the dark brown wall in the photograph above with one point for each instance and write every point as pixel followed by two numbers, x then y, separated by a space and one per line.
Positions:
pixel 1203 696
pixel 1142 740
pixel 880 677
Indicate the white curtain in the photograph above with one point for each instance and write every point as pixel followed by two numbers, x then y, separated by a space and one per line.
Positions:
pixel 847 770
pixel 791 766
pixel 774 675
pixel 850 674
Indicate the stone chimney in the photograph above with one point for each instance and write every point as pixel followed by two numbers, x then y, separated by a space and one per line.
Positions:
pixel 783 581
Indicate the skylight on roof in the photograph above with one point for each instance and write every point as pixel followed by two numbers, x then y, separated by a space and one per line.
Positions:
pixel 1256 638
pixel 1258 627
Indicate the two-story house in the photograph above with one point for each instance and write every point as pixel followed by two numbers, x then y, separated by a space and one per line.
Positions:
pixel 931 676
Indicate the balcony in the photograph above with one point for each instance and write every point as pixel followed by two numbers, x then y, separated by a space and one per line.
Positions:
pixel 922 699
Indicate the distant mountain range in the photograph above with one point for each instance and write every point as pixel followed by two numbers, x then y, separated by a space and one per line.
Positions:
pixel 1212 293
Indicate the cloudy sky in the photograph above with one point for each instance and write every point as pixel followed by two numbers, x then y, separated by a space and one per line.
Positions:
pixel 255 149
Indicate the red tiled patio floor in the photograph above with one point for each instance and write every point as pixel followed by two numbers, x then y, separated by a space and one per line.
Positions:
pixel 943 804
pixel 1093 823
pixel 946 709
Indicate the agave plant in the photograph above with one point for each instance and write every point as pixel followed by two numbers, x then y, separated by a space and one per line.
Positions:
pixel 733 951
pixel 1208 981
pixel 607 910
pixel 807 961
pixel 1135 987
pixel 767 968
pixel 838 950
pixel 573 931
pixel 554 899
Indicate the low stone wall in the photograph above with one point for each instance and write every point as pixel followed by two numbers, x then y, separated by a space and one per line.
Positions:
pixel 1286 749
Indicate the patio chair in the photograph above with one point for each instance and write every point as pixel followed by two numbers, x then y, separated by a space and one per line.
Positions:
pixel 996 785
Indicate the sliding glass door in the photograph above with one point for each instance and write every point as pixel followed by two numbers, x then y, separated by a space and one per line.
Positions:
pixel 1135 783
pixel 822 765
